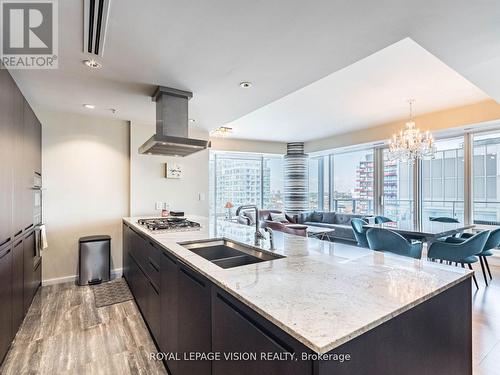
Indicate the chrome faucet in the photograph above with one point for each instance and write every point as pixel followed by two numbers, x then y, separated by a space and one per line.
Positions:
pixel 258 233
pixel 271 237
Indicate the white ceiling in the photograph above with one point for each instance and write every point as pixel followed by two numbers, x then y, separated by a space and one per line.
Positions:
pixel 208 47
pixel 372 91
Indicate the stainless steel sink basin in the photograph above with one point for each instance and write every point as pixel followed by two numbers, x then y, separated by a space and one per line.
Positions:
pixel 228 254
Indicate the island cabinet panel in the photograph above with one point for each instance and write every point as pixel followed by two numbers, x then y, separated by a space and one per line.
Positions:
pixel 138 273
pixel 194 320
pixel 238 329
pixel 168 340
pixel 126 236
pixel 434 337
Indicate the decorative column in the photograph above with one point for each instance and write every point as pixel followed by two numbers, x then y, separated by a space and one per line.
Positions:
pixel 296 179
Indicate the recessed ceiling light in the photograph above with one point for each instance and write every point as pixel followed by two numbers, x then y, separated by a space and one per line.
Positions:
pixel 89 106
pixel 91 63
pixel 221 131
pixel 191 120
pixel 245 85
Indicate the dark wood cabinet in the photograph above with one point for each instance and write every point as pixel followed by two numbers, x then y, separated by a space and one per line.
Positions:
pixel 31 148
pixel 168 341
pixel 30 280
pixel 7 127
pixel 19 172
pixel 6 333
pixel 238 329
pixel 20 159
pixel 142 272
pixel 126 237
pixel 193 320
pixel 18 305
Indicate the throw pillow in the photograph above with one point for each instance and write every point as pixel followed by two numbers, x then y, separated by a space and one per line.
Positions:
pixel 316 217
pixel 279 217
pixel 329 217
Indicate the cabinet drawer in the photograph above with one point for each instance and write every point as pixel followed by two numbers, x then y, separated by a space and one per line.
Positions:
pixel 231 321
pixel 151 264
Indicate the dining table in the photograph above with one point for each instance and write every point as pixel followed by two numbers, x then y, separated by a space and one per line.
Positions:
pixel 427 230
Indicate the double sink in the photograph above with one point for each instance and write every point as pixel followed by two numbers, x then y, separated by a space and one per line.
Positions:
pixel 228 254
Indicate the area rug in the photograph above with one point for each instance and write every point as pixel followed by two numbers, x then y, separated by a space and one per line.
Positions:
pixel 112 292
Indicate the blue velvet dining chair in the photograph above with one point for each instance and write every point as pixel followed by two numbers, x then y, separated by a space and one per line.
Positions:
pixel 459 251
pixel 444 219
pixel 360 231
pixel 386 240
pixel 382 220
pixel 492 243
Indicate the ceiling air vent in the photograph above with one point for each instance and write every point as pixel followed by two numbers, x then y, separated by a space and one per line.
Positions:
pixel 95 21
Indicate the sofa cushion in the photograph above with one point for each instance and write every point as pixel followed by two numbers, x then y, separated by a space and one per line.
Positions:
pixel 280 217
pixel 344 219
pixel 316 217
pixel 329 217
pixel 344 231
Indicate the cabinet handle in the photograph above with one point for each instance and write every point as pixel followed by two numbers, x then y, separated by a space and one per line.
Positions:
pixel 188 274
pixel 28 227
pixel 18 243
pixel 18 233
pixel 5 253
pixel 257 326
pixel 4 242
pixel 153 265
pixel 153 286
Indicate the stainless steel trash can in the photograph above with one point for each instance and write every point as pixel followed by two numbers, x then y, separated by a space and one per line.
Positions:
pixel 94 260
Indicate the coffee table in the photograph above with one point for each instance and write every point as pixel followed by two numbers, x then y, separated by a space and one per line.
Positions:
pixel 319 232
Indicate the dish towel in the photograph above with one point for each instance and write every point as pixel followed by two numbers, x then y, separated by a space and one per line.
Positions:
pixel 43 237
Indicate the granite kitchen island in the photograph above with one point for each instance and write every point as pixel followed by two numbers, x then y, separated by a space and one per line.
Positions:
pixel 320 308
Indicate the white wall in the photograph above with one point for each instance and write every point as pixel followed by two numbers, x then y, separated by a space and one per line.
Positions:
pixel 85 163
pixel 149 185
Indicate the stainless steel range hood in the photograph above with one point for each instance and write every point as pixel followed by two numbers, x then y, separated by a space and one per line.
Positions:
pixel 171 138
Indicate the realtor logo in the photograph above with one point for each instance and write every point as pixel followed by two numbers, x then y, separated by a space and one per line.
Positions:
pixel 29 34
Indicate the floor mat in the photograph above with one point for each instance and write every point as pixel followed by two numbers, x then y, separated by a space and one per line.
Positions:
pixel 112 292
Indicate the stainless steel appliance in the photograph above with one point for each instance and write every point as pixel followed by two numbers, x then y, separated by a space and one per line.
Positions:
pixel 171 137
pixel 169 224
pixel 94 260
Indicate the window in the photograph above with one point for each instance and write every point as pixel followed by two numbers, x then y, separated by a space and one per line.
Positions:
pixel 244 179
pixel 397 193
pixel 326 182
pixel 486 208
pixel 273 183
pixel 443 181
pixel 314 188
pixel 353 182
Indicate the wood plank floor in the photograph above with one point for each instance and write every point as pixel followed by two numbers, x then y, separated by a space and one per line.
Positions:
pixel 486 324
pixel 64 333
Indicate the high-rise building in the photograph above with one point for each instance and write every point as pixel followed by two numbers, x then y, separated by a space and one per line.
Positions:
pixel 242 181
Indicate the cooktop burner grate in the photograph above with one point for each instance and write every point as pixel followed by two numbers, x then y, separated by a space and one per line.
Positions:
pixel 169 224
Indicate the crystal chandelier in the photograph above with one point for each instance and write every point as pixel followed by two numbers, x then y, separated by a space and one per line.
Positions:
pixel 410 144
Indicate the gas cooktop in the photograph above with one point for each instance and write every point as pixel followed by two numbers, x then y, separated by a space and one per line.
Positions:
pixel 169 224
